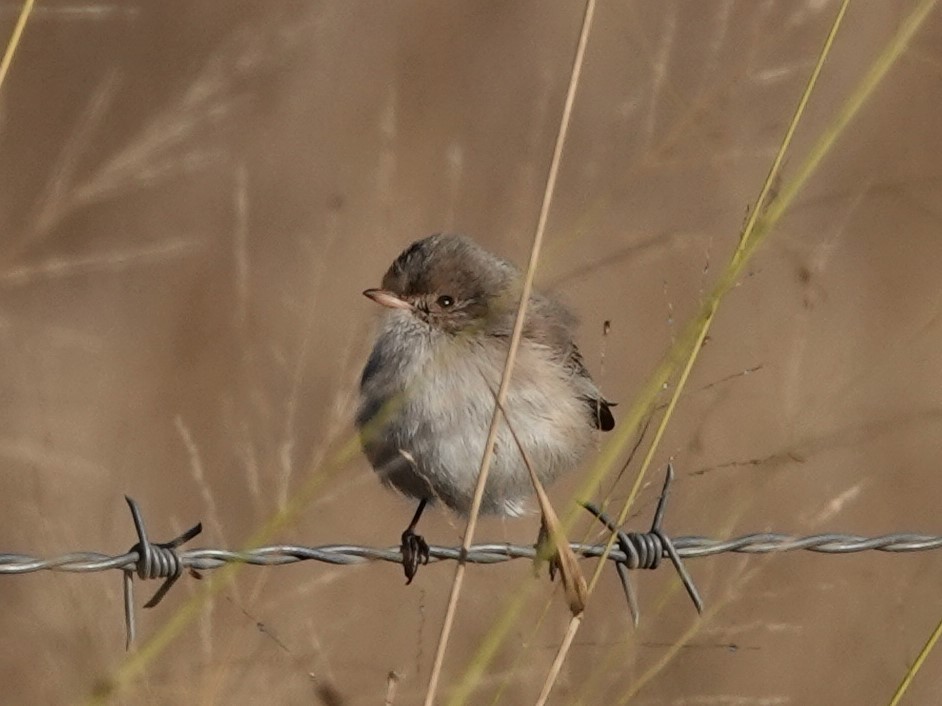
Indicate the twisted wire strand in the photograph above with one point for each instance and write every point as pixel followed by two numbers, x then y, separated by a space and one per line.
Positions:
pixel 688 547
pixel 635 550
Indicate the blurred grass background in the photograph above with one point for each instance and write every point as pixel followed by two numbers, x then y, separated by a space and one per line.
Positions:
pixel 194 195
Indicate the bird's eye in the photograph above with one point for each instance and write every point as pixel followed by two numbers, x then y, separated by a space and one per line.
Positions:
pixel 445 301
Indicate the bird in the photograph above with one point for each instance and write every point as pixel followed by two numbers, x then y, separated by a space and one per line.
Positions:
pixel 428 389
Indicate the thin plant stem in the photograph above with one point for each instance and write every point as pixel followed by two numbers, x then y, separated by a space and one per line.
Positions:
pixel 917 665
pixel 15 39
pixel 574 624
pixel 516 336
pixel 750 237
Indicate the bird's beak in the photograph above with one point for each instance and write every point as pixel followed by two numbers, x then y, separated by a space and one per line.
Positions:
pixel 387 298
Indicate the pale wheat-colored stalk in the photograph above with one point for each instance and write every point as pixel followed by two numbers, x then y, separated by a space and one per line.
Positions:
pixel 448 622
pixel 14 42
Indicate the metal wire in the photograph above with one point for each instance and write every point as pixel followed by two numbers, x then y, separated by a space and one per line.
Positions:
pixel 281 554
pixel 633 550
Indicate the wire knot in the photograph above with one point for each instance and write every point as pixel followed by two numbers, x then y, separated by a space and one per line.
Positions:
pixel 157 561
pixel 153 561
pixel 643 550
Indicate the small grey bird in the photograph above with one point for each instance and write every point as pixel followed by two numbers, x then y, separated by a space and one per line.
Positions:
pixel 428 389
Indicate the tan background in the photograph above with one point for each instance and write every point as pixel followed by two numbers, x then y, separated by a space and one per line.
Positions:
pixel 193 196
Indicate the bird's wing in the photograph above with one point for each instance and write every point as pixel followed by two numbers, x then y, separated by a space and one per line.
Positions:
pixel 600 408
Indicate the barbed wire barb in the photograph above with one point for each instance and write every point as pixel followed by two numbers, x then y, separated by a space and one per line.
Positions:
pixel 645 550
pixel 152 561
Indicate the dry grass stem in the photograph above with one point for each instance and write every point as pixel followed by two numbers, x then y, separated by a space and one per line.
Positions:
pixel 512 352
pixel 746 247
pixel 14 42
pixel 574 583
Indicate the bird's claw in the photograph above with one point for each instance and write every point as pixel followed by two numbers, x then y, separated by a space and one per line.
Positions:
pixel 415 551
pixel 554 566
pixel 545 551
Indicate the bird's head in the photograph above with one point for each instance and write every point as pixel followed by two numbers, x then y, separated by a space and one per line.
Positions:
pixel 452 284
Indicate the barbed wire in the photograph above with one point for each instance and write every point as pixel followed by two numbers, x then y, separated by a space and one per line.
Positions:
pixel 631 550
pixel 493 553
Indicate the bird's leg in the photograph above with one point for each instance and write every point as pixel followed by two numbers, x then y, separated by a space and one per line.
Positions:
pixel 414 548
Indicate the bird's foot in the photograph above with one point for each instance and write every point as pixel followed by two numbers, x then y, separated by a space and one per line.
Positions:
pixel 415 551
pixel 545 551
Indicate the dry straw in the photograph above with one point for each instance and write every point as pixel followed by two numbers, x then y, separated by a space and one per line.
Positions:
pixel 14 40
pixel 457 583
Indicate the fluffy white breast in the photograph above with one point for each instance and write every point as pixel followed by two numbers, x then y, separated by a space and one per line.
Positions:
pixel 447 384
